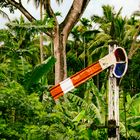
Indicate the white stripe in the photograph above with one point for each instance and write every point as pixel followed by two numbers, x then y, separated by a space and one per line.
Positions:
pixel 107 61
pixel 66 85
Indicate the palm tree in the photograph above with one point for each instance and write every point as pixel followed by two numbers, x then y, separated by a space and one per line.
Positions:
pixel 120 29
pixel 18 51
pixel 123 31
pixel 136 27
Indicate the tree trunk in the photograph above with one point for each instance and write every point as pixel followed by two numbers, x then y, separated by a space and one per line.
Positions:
pixel 41 34
pixel 60 32
pixel 60 55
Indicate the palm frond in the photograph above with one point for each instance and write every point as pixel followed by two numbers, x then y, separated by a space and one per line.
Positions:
pixel 134 134
pixel 123 130
pixel 91 108
pixel 133 119
pixel 133 106
pixel 108 12
pixel 119 12
pixel 136 13
pixel 79 116
pixel 100 39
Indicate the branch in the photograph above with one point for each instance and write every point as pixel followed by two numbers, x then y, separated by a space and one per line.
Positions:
pixel 74 14
pixel 4 14
pixel 20 7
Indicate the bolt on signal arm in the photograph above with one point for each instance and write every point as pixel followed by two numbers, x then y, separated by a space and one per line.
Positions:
pixel 118 56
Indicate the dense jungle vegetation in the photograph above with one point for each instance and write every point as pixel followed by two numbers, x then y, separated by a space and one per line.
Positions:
pixel 27 110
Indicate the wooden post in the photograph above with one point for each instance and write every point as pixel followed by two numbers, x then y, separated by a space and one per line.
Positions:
pixel 113 103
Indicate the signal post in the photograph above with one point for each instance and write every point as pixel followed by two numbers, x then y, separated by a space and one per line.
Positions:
pixel 116 71
pixel 117 61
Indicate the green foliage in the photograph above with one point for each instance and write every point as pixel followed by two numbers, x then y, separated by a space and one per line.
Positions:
pixel 28 118
pixel 133 76
pixel 130 116
pixel 17 110
pixel 28 112
pixel 40 70
pixel 44 25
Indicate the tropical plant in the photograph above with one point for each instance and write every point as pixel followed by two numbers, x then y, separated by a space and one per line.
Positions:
pixel 130 116
pixel 22 114
pixel 59 33
pixel 27 111
pixel 17 52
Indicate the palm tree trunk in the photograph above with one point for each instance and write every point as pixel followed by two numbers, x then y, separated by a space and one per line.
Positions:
pixel 41 48
pixel 41 34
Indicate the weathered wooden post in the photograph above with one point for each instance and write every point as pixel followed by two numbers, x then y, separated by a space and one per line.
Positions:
pixel 116 72
pixel 113 103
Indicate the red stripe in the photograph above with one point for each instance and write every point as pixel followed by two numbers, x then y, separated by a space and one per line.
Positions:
pixel 86 74
pixel 58 95
pixel 56 90
pixel 78 78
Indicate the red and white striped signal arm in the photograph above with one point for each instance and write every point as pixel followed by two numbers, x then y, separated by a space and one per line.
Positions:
pixel 83 75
